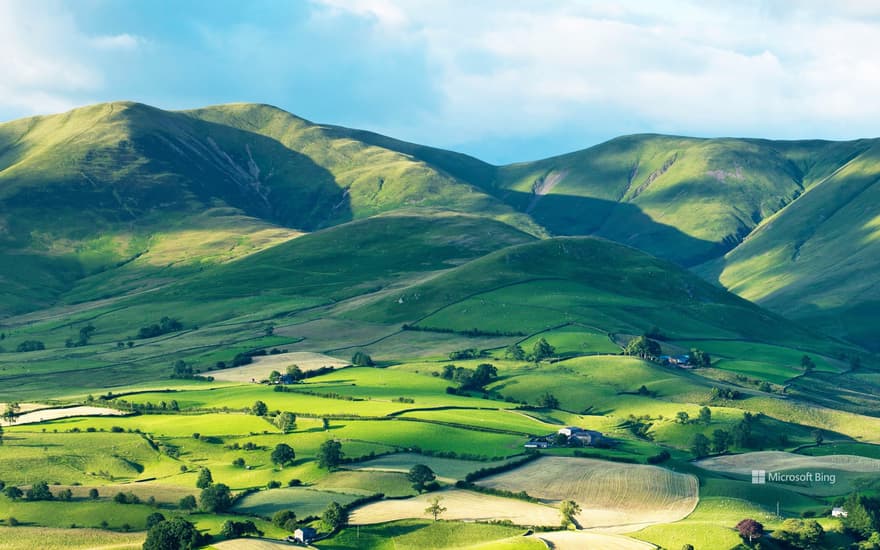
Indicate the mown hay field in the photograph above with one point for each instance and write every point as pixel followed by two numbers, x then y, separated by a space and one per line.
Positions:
pixel 460 505
pixel 613 496
pixel 263 366
pixel 743 464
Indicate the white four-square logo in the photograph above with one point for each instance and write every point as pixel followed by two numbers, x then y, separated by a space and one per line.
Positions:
pixel 759 477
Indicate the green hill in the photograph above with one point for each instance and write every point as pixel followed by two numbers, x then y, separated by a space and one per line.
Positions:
pixel 684 199
pixel 110 185
pixel 816 259
pixel 590 282
pixel 118 198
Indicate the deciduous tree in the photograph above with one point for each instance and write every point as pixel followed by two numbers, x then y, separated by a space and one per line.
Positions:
pixel 434 509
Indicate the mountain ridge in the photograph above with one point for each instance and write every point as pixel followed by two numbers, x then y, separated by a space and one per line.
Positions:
pixel 88 190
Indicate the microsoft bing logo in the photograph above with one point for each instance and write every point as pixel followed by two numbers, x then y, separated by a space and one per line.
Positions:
pixel 759 477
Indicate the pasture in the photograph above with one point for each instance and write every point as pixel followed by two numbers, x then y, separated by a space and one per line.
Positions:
pixel 427 535
pixel 446 468
pixel 304 501
pixel 19 538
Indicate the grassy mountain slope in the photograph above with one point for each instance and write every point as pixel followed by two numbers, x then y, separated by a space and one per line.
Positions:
pixel 104 186
pixel 122 197
pixel 816 259
pixel 226 308
pixel 684 199
pixel 581 281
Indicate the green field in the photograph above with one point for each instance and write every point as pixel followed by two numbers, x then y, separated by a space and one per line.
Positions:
pixel 414 535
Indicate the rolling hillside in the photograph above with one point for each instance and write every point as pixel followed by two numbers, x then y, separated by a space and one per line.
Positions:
pixel 117 198
pixel 816 260
pixel 100 187
pixel 788 224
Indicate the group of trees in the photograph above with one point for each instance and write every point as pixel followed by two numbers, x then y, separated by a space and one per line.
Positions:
pixel 548 401
pixel 422 478
pixel 236 529
pixel 85 334
pixel 285 421
pixel 330 454
pixel 30 345
pixel 540 350
pixel 285 519
pixel 722 440
pixel 216 498
pixel 699 358
pixel 462 354
pixel 334 517
pixel 724 393
pixel 807 364
pixel 182 370
pixel 11 411
pixel 177 533
pixel 800 534
pixel 863 518
pixel 704 417
pixel 37 491
pixel 470 379
pixel 643 347
pixel 165 325
pixel 361 359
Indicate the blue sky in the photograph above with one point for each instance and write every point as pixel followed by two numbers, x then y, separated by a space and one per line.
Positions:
pixel 504 80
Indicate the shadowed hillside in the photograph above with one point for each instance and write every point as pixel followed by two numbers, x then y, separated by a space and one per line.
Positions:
pixel 117 198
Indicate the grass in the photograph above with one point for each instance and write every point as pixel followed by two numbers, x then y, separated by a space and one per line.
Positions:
pixel 90 458
pixel 18 538
pixel 414 534
pixel 86 513
pixel 304 501
pixel 855 449
pixel 448 468
pixel 574 340
pixel 711 525
pixel 369 483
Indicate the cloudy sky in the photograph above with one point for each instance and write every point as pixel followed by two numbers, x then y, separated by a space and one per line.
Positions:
pixel 504 80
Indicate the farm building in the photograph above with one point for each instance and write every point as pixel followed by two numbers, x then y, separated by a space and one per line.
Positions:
pixel 581 436
pixel 838 512
pixel 305 535
pixel 536 444
pixel 677 360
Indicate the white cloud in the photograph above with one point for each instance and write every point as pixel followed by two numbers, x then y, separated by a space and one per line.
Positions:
pixel 514 68
pixel 384 12
pixel 48 63
pixel 122 41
